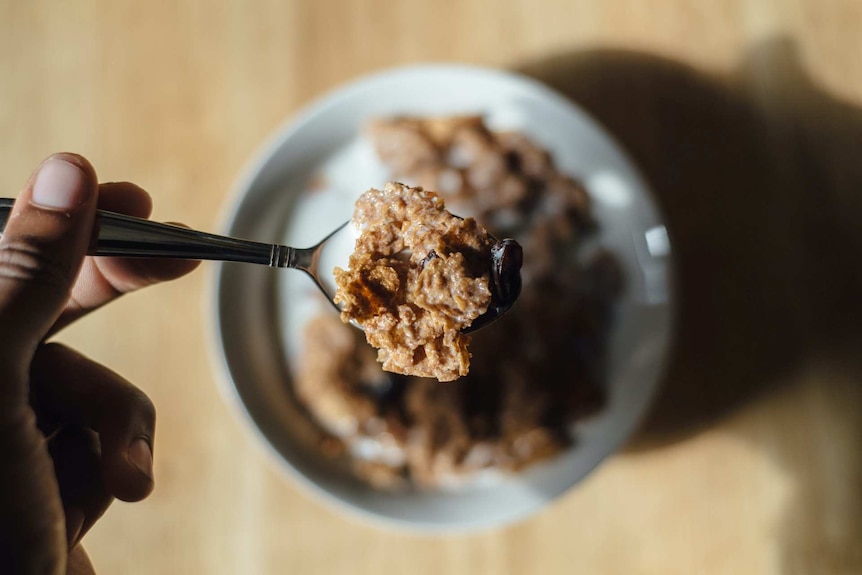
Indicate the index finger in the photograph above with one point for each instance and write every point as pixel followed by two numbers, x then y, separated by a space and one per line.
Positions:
pixel 103 279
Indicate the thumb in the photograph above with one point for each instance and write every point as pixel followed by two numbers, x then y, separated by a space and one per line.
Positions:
pixel 41 251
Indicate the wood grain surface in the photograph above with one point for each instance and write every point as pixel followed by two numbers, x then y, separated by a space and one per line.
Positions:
pixel 745 116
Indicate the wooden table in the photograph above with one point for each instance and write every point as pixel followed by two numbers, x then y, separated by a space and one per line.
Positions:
pixel 745 116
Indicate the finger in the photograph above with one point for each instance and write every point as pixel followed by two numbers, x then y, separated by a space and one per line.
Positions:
pixel 67 387
pixel 104 279
pixel 41 251
pixel 31 538
pixel 76 454
pixel 125 198
pixel 79 563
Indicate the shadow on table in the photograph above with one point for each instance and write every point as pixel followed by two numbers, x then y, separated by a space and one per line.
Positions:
pixel 759 175
pixel 760 180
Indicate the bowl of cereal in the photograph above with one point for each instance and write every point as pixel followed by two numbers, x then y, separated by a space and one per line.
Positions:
pixel 554 387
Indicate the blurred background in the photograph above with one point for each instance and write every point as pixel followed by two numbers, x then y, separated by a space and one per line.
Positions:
pixel 745 117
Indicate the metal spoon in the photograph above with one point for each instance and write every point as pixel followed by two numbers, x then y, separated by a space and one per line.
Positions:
pixel 127 236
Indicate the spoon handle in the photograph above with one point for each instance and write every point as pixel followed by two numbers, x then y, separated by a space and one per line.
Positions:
pixel 127 236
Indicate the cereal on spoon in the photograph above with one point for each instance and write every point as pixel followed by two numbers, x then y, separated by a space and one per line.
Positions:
pixel 417 278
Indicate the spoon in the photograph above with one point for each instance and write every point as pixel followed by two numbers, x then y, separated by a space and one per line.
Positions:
pixel 128 236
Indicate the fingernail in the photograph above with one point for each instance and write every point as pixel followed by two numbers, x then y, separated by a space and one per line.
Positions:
pixel 59 185
pixel 140 455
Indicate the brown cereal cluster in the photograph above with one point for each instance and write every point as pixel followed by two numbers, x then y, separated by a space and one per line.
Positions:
pixel 533 374
pixel 417 277
pixel 498 177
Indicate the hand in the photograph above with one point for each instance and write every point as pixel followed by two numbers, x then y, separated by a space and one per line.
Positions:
pixel 73 434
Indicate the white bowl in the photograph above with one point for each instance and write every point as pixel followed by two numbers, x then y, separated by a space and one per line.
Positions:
pixel 257 315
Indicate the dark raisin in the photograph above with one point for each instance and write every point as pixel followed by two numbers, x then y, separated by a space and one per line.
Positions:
pixel 507 257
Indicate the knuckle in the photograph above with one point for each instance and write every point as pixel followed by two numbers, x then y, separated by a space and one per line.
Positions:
pixel 24 260
pixel 52 349
pixel 141 405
